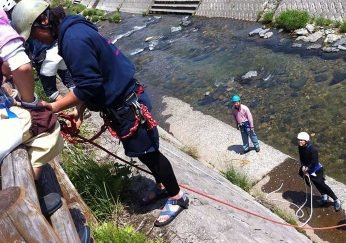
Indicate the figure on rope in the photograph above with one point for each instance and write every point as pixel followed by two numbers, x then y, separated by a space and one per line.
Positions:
pixel 310 166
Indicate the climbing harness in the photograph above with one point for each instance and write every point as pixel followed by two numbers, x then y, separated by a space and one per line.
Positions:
pixel 71 133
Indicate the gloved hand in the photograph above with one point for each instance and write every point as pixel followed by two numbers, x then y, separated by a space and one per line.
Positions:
pixel 305 169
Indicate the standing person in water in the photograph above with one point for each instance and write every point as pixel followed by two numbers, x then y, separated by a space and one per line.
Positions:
pixel 310 166
pixel 244 122
pixel 104 80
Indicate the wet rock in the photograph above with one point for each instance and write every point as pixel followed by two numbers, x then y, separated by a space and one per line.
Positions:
pixel 176 29
pixel 206 100
pixel 153 44
pixel 321 78
pixel 342 48
pixel 263 32
pixel 297 84
pixel 268 35
pixel 332 38
pixel 297 45
pixel 310 28
pixel 136 51
pixel 330 49
pixel 301 31
pixel 255 32
pixel 314 46
pixel 311 38
pixel 340 42
pixel 152 38
pixel 185 21
pixel 338 78
pixel 249 75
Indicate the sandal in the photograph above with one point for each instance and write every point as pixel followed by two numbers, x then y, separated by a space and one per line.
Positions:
pixel 183 203
pixel 159 194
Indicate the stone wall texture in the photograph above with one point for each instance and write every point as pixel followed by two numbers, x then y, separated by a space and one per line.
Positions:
pixel 235 9
pixel 331 9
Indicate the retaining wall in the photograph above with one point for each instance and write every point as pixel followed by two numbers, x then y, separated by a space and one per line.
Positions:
pixel 331 9
pixel 235 9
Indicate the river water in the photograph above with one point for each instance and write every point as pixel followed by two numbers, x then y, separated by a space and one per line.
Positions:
pixel 296 89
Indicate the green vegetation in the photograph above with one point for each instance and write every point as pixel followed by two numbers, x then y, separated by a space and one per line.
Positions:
pixel 39 90
pixel 268 18
pixel 238 179
pixel 192 151
pixel 100 185
pixel 342 28
pixel 107 233
pixel 292 19
pixel 114 18
pixel 75 9
pixel 321 21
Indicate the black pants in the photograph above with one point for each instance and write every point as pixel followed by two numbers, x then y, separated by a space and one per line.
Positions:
pixel 162 171
pixel 319 182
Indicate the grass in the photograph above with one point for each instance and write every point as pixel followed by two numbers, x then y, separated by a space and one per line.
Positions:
pixel 238 179
pixel 342 28
pixel 321 21
pixel 292 19
pixel 192 151
pixel 268 18
pixel 108 233
pixel 100 185
pixel 39 91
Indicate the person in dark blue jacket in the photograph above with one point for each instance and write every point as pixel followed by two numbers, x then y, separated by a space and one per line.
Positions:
pixel 310 166
pixel 104 80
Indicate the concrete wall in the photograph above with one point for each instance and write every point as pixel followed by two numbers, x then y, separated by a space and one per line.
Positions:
pixel 131 6
pixel 136 6
pixel 331 9
pixel 236 9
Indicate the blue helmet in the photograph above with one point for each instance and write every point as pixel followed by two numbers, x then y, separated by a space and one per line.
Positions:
pixel 235 98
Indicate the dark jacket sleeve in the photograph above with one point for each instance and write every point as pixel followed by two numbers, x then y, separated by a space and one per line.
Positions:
pixel 313 157
pixel 80 55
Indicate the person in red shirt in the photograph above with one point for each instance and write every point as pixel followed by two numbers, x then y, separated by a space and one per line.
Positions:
pixel 244 122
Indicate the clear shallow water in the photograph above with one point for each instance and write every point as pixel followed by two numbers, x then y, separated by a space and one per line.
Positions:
pixel 296 89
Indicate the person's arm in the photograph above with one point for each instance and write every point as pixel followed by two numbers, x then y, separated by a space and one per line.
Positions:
pixel 249 117
pixel 234 118
pixel 66 102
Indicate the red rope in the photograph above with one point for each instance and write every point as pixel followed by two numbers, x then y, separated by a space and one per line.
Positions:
pixel 71 132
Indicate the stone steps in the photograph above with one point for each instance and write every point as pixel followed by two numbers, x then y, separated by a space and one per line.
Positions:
pixel 174 6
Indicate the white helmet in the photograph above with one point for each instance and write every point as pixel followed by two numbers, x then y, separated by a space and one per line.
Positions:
pixel 7 5
pixel 303 136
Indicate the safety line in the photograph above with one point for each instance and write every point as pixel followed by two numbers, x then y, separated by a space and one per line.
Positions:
pixel 84 140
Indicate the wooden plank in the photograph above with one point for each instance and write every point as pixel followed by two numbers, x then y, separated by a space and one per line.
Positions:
pixel 21 220
pixel 16 170
pixel 70 193
pixel 63 224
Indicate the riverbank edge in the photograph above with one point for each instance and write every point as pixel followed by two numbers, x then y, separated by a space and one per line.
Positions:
pixel 195 130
